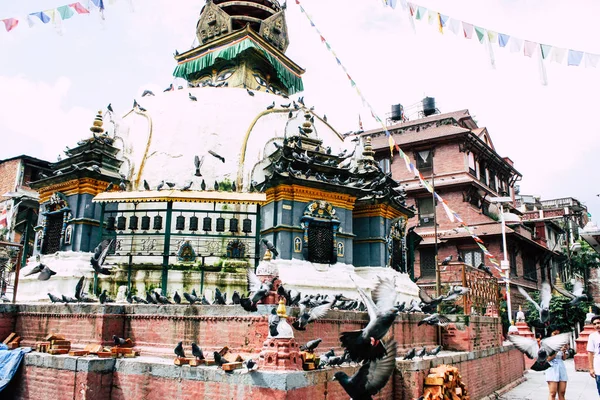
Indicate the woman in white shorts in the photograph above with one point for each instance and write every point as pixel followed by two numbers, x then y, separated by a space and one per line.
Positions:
pixel 556 375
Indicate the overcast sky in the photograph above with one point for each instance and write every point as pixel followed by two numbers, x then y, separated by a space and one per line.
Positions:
pixel 52 81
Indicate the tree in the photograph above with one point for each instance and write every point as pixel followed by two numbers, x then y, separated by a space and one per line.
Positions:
pixel 585 259
pixel 564 317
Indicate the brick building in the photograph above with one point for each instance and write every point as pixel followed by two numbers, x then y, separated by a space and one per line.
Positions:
pixel 16 197
pixel 468 172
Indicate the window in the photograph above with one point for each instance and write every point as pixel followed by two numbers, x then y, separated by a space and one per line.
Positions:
pixel 424 160
pixel 472 257
pixel 472 165
pixel 529 269
pixel 427 263
pixel 297 245
pixel 384 164
pixel 425 206
pixel 492 180
pixel 512 255
pixel 340 249
pixel 482 172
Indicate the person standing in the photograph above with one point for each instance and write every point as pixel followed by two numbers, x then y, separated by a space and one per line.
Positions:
pixel 593 349
pixel 556 375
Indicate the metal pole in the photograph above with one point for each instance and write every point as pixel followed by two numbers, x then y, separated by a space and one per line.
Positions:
pixel 438 279
pixel 505 265
pixel 26 236
pixel 202 276
pixel 166 249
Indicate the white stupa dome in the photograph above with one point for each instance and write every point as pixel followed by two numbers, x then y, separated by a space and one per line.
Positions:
pixel 161 142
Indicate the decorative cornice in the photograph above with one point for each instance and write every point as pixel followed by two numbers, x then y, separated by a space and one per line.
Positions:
pixel 72 187
pixel 377 210
pixel 306 194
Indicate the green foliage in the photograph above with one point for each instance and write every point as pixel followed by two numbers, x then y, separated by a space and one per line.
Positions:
pixel 225 186
pixel 585 259
pixel 504 316
pixel 564 317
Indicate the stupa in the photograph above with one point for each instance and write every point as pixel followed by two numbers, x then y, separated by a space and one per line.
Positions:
pixel 207 169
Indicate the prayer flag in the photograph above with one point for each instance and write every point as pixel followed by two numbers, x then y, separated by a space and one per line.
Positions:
pixel 420 12
pixel 43 17
pixel 65 12
pixel 480 33
pixel 454 25
pixel 360 125
pixel 440 23
pixel 545 49
pixel 10 24
pixel 492 36
pixel 515 44
pixel 468 30
pixel 574 57
pixel 558 54
pixel 503 39
pixel 99 4
pixel 79 8
pixel 529 48
pixel 591 60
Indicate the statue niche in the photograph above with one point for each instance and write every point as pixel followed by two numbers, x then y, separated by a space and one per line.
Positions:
pixel 396 242
pixel 320 225
pixel 55 223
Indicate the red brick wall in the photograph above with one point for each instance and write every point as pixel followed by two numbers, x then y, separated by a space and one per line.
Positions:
pixel 483 372
pixel 8 174
pixel 42 383
pixel 8 318
pixel 448 160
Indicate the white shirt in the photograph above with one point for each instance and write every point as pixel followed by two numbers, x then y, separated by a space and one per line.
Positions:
pixel 593 346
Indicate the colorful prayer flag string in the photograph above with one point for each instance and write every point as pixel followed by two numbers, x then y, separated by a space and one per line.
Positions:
pixel 452 215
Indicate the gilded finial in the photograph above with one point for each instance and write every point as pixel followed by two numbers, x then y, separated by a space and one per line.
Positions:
pixel 281 311
pixel 307 125
pixel 268 256
pixel 97 125
pixel 368 150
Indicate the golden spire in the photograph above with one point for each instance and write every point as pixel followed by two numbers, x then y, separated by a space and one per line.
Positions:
pixel 97 126
pixel 268 256
pixel 558 284
pixel 368 150
pixel 281 311
pixel 307 125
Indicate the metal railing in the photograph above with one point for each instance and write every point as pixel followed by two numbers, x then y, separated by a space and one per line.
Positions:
pixel 10 266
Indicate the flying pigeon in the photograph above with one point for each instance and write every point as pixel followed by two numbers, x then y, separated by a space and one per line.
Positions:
pixel 455 292
pixel 45 274
pixel 147 93
pixel 198 163
pixel 576 296
pixel 192 97
pixel 305 318
pixel 197 352
pixel 212 153
pixel 548 347
pixel 545 297
pixel 99 256
pixel 435 319
pixel 365 344
pixel 271 247
pixel 371 377
pixel 36 269
pixel 179 350
pixel 259 289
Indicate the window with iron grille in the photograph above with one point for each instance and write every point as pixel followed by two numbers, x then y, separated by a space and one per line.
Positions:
pixel 427 263
pixel 425 206
pixel 529 269
pixel 482 172
pixel 472 257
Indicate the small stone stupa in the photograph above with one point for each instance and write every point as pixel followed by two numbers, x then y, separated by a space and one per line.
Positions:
pixel 281 352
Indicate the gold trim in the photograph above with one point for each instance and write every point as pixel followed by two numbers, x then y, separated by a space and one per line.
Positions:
pixel 355 241
pixel 73 187
pixel 180 196
pixel 307 194
pixel 376 210
pixel 281 229
pixel 240 175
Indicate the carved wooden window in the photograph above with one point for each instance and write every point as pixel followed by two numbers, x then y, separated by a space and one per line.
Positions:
pixel 53 232
pixel 427 263
pixel 425 206
pixel 492 179
pixel 482 172
pixel 320 242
